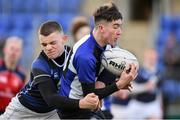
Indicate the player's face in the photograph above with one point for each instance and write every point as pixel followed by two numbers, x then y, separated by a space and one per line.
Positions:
pixel 13 51
pixel 112 32
pixel 53 44
pixel 82 32
pixel 150 59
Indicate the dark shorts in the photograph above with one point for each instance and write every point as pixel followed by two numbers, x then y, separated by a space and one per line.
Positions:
pixel 1 112
pixel 108 115
pixel 81 114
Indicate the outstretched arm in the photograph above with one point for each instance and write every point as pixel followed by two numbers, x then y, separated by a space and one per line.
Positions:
pixel 48 90
pixel 123 82
pixel 52 98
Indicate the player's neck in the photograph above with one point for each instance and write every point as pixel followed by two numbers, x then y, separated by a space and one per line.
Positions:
pixel 98 38
pixel 10 65
pixel 61 52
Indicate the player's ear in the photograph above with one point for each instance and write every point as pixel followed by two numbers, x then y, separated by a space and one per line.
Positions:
pixel 65 38
pixel 101 27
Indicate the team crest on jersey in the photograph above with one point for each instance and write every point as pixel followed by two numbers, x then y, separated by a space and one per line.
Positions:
pixel 56 76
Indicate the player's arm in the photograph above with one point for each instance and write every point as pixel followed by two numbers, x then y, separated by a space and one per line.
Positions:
pixel 101 92
pixel 49 92
pixel 106 77
pixel 52 98
pixel 86 70
pixel 87 76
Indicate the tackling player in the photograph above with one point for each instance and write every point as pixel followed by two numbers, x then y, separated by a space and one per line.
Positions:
pixel 39 98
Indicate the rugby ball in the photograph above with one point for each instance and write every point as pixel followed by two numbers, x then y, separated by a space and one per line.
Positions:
pixel 115 60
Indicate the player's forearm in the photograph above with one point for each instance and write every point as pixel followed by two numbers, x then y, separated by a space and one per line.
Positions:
pixel 52 98
pixel 106 91
pixel 63 103
pixel 101 92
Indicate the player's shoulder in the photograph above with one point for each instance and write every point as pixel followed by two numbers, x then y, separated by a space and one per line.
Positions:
pixel 84 58
pixel 41 62
pixel 81 44
pixel 85 54
pixel 40 65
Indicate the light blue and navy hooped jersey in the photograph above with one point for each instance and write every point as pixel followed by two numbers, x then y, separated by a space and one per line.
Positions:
pixel 145 75
pixel 83 66
pixel 30 95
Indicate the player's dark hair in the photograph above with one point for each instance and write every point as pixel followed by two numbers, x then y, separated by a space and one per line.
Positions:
pixel 108 12
pixel 49 27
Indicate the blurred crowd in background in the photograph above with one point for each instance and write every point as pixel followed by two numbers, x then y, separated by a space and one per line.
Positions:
pixel 151 30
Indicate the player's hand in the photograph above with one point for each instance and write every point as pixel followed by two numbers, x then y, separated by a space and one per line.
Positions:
pixel 128 87
pixel 90 101
pixel 98 106
pixel 127 76
pixel 121 94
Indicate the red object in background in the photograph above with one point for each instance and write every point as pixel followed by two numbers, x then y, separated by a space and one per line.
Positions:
pixel 10 85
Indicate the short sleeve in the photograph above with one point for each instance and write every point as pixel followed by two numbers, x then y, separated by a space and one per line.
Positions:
pixel 40 71
pixel 86 69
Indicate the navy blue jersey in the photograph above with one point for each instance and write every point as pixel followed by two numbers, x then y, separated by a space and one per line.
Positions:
pixel 42 67
pixel 83 66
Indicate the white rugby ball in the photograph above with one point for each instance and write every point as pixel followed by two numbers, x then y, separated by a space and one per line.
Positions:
pixel 115 60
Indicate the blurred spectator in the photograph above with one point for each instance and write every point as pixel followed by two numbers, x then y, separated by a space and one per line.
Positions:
pixel 168 47
pixel 12 76
pixel 147 96
pixel 2 41
pixel 120 105
pixel 170 82
pixel 80 27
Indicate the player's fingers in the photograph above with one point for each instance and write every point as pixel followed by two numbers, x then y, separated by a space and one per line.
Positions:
pixel 92 95
pixel 127 69
pixel 133 71
pixel 130 85
pixel 98 106
pixel 129 89
pixel 136 75
pixel 133 68
pixel 136 72
pixel 93 100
